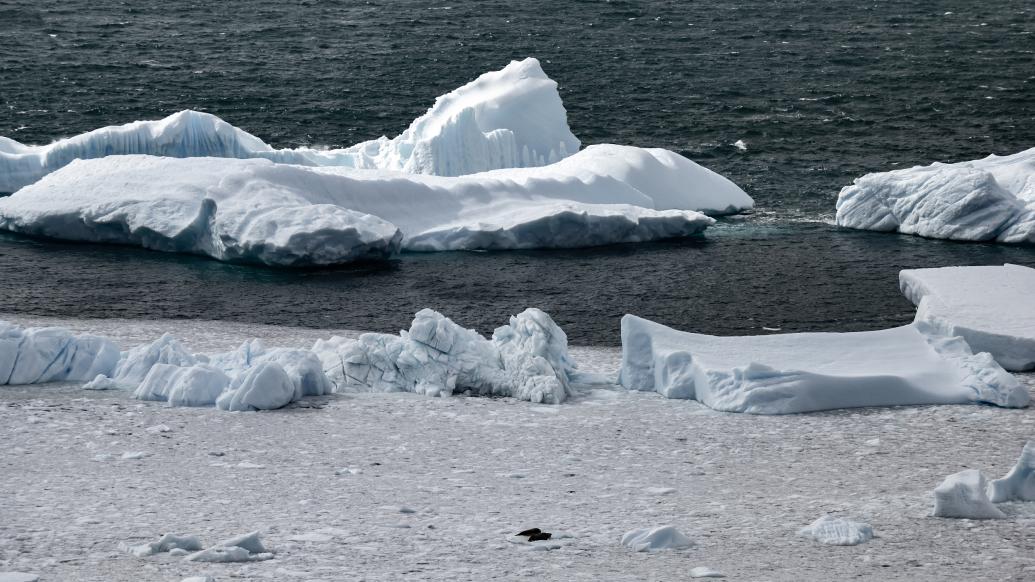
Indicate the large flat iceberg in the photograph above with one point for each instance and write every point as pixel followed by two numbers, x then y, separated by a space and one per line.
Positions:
pixel 789 373
pixel 511 118
pixel 992 307
pixel 277 214
pixel 982 200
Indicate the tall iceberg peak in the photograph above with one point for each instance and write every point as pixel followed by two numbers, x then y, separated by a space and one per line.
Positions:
pixel 511 118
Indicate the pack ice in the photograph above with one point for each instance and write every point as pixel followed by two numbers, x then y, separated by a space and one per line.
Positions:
pixel 982 200
pixel 492 165
pixel 50 354
pixel 526 359
pixel 801 372
pixel 992 307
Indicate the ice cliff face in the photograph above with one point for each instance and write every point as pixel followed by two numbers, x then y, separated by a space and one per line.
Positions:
pixel 982 200
pixel 511 118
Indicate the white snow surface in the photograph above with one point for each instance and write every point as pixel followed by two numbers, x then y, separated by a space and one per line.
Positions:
pixel 992 199
pixel 510 118
pixel 965 495
pixel 652 539
pixel 49 354
pixel 1019 483
pixel 526 359
pixel 992 307
pixel 789 373
pixel 838 531
pixel 277 214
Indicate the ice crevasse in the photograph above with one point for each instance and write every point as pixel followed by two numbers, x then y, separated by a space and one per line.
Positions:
pixel 992 199
pixel 492 165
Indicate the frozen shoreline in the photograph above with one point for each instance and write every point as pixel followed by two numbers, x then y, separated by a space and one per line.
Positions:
pixel 341 466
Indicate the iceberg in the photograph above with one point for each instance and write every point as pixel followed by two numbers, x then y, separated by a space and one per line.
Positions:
pixel 1019 483
pixel 837 531
pixel 992 307
pixel 655 539
pixel 256 211
pixel 265 386
pixel 198 385
pixel 50 354
pixel 526 359
pixel 982 200
pixel 511 118
pixel 802 372
pixel 964 495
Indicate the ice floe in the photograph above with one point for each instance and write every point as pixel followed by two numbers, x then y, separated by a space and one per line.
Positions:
pixel 982 200
pixel 789 373
pixel 658 538
pixel 166 543
pixel 992 307
pixel 1019 483
pixel 838 531
pixel 965 495
pixel 527 359
pixel 491 166
pixel 50 354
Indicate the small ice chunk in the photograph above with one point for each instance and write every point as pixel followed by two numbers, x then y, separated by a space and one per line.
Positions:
pixel 705 572
pixel 158 428
pixel 964 495
pixel 740 145
pixel 166 543
pixel 837 531
pixel 231 554
pixel 199 579
pixel 1019 483
pixel 101 382
pixel 250 541
pixel 18 577
pixel 658 538
pixel 134 455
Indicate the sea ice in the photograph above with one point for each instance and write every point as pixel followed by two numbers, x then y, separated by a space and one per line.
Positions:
pixel 789 373
pixel 705 572
pixel 51 354
pixel 657 538
pixel 982 200
pixel 167 543
pixel 1019 483
pixel 18 577
pixel 527 359
pixel 964 495
pixel 992 307
pixel 510 118
pixel 225 555
pixel 837 531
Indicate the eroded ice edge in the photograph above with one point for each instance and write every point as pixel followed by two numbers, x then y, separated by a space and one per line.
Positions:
pixel 802 372
pixel 992 307
pixel 982 200
pixel 492 165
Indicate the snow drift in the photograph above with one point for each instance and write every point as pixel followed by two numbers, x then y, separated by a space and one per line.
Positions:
pixel 991 307
pixel 527 359
pixel 511 118
pixel 50 354
pixel 982 200
pixel 789 373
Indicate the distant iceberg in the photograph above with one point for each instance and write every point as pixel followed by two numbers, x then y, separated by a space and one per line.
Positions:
pixel 992 307
pixel 802 372
pixel 982 200
pixel 511 118
pixel 493 165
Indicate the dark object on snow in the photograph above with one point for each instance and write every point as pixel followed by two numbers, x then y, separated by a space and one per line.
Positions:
pixel 529 532
pixel 543 535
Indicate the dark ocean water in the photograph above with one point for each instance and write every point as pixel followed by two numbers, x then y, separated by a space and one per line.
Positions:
pixel 821 93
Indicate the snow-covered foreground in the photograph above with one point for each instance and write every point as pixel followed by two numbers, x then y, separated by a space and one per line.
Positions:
pixel 992 199
pixel 392 486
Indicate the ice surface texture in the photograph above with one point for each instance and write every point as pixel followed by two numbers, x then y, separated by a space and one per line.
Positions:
pixel 789 373
pixel 526 359
pixel 492 165
pixel 837 531
pixel 982 200
pixel 511 118
pixel 657 538
pixel 992 307
pixel 38 355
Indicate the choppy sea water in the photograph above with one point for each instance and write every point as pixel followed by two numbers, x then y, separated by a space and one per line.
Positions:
pixel 820 92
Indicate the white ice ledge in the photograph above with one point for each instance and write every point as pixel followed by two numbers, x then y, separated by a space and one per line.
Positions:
pixel 982 200
pixel 790 373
